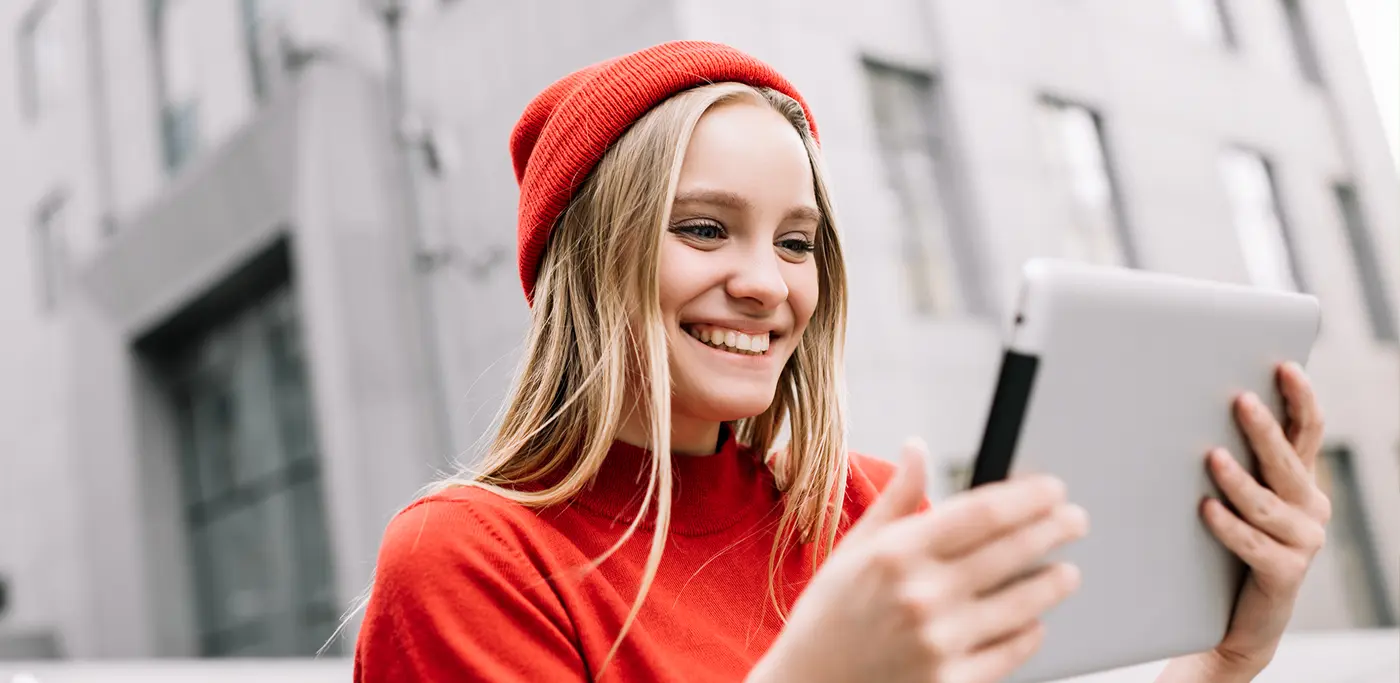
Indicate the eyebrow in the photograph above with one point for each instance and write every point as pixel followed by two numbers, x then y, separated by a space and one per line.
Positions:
pixel 731 200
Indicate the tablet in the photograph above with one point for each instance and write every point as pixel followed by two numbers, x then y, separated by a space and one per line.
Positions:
pixel 1119 382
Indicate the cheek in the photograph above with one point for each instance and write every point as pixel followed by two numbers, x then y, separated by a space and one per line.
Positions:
pixel 804 291
pixel 679 275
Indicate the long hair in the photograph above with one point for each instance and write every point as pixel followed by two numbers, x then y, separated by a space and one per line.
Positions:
pixel 597 348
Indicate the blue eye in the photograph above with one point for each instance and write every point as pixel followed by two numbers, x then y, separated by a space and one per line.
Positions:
pixel 702 231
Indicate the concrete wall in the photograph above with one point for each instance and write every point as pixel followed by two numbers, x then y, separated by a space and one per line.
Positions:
pixel 38 506
pixel 355 279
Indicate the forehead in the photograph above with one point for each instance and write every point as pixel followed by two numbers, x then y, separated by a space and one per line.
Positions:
pixel 747 148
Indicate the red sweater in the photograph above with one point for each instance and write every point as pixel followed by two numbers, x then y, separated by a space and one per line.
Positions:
pixel 472 587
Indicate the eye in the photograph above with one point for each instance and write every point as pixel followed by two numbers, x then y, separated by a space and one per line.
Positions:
pixel 704 231
pixel 798 245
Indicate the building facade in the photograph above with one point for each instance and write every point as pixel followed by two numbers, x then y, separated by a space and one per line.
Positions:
pixel 248 316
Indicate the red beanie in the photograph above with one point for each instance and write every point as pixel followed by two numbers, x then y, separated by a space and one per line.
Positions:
pixel 567 128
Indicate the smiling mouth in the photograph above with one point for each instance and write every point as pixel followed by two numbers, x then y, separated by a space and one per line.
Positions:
pixel 731 341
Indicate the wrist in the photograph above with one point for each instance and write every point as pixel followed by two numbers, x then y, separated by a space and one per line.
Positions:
pixel 1225 667
pixel 1211 666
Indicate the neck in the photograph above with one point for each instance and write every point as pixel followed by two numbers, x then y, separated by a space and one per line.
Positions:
pixel 689 436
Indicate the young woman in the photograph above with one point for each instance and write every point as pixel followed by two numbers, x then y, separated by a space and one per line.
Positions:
pixel 633 519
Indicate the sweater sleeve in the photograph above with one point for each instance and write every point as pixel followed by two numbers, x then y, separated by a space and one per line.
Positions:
pixel 455 599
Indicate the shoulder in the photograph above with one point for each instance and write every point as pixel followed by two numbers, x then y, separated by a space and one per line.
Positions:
pixel 455 530
pixel 462 591
pixel 873 471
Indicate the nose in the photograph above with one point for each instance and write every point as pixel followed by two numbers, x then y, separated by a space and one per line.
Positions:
pixel 758 277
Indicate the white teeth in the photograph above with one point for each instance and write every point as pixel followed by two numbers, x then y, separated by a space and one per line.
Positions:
pixel 734 341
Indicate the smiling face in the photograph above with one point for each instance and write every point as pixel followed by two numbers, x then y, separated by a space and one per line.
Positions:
pixel 738 274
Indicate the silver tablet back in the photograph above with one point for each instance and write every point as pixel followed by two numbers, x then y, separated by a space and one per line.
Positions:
pixel 1119 382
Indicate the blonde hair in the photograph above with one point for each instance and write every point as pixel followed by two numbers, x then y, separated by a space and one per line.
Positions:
pixel 597 341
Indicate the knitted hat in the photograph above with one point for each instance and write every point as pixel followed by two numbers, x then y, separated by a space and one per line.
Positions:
pixel 566 129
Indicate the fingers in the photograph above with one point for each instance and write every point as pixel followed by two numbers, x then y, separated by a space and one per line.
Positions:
pixel 996 661
pixel 1274 566
pixel 1001 560
pixel 1279 464
pixel 1262 508
pixel 970 519
pixel 1305 421
pixel 902 495
pixel 980 623
pixel 994 569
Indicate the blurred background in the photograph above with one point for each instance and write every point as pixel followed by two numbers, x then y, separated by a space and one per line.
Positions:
pixel 257 277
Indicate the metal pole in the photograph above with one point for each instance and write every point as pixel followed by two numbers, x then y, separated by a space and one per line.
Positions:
pixel 424 265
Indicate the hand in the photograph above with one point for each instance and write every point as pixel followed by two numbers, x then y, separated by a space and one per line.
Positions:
pixel 944 595
pixel 1277 528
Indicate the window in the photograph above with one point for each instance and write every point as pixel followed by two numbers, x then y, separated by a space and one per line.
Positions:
pixel 1351 542
pixel 1207 21
pixel 43 65
pixel 49 241
pixel 1303 48
pixel 178 57
pixel 252 487
pixel 1368 266
pixel 913 150
pixel 260 25
pixel 1258 216
pixel 1077 159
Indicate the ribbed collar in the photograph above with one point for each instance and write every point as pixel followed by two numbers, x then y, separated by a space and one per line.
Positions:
pixel 710 493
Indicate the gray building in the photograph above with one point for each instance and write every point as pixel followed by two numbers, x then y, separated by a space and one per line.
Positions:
pixel 244 324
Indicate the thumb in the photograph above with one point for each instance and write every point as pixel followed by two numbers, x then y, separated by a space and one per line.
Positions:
pixel 903 494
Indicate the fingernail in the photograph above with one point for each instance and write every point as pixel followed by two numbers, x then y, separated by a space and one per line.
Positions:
pixel 916 443
pixel 1073 576
pixel 1253 405
pixel 1219 457
pixel 1079 518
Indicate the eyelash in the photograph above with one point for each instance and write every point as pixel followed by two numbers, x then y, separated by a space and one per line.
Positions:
pixel 692 229
pixel 799 245
pixel 794 244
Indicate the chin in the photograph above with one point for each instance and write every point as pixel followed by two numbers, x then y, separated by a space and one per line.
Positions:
pixel 725 406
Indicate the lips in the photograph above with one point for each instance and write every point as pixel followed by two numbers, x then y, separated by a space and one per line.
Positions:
pixel 730 340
